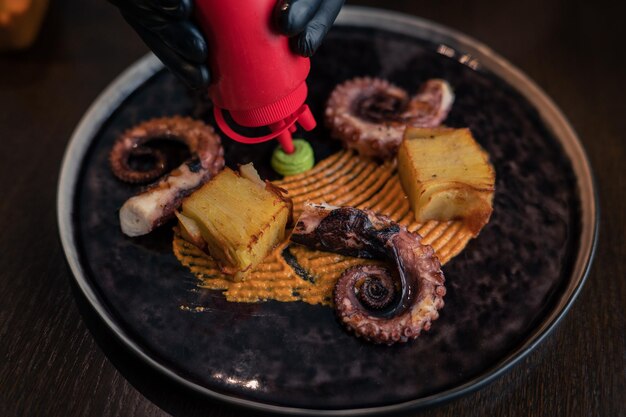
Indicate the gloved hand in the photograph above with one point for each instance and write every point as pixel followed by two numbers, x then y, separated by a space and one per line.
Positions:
pixel 307 22
pixel 166 26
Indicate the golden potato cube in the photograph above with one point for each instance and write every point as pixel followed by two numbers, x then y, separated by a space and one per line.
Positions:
pixel 446 175
pixel 240 219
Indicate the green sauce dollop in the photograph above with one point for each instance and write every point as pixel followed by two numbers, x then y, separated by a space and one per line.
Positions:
pixel 301 160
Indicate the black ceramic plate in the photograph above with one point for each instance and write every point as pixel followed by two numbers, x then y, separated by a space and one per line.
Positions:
pixel 506 290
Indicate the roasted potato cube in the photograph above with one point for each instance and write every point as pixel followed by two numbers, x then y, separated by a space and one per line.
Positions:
pixel 446 175
pixel 240 219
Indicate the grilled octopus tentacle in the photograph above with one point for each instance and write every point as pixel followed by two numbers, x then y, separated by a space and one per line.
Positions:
pixel 371 301
pixel 370 114
pixel 142 213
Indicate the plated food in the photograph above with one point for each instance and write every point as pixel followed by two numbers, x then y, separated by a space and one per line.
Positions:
pixel 377 303
pixel 157 204
pixel 240 221
pixel 295 272
pixel 447 175
pixel 370 114
pixel 237 218
pixel 504 290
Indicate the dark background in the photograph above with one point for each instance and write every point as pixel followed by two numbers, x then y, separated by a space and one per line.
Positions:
pixel 52 359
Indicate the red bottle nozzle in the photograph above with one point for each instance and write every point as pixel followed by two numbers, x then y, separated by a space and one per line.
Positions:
pixel 286 141
pixel 281 130
pixel 305 120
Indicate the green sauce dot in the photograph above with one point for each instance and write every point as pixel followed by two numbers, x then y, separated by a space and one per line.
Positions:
pixel 301 160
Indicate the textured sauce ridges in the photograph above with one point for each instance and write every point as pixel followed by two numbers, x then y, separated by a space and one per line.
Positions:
pixel 343 179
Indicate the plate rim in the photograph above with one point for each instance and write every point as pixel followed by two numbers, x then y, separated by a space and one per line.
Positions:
pixel 357 16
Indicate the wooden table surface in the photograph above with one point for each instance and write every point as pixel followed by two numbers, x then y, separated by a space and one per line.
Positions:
pixel 57 359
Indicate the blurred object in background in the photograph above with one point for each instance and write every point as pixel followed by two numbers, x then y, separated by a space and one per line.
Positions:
pixel 20 21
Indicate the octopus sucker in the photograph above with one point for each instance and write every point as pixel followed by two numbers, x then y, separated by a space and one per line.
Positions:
pixel 142 213
pixel 375 303
pixel 371 114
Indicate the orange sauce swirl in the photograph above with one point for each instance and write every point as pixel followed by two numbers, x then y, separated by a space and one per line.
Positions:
pixel 343 179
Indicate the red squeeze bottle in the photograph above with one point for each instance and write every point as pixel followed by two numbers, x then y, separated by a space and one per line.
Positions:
pixel 255 75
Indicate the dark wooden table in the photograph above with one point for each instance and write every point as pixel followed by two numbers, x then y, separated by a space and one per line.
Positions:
pixel 56 362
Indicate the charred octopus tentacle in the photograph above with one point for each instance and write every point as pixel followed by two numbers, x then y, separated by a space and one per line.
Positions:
pixel 143 212
pixel 199 137
pixel 371 301
pixel 370 114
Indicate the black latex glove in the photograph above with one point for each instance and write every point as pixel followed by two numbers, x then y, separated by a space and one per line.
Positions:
pixel 307 21
pixel 167 28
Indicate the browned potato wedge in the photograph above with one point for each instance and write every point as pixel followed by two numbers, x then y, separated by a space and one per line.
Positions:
pixel 240 219
pixel 446 175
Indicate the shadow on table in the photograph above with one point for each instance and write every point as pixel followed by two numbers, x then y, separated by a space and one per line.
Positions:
pixel 162 391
